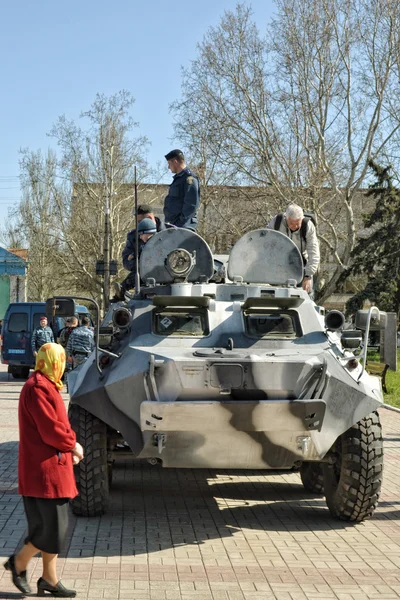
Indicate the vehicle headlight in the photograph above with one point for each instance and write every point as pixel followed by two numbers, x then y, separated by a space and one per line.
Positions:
pixel 179 262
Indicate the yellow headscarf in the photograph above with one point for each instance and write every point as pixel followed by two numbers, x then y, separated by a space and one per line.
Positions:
pixel 50 361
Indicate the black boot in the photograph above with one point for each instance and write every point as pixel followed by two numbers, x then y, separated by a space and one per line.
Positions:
pixel 18 579
pixel 58 590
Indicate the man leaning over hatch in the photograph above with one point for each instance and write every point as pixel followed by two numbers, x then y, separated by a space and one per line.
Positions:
pixel 144 211
pixel 301 231
pixel 183 199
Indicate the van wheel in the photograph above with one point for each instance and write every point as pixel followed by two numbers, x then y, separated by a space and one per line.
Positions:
pixel 17 372
pixel 353 483
pixel 25 372
pixel 91 473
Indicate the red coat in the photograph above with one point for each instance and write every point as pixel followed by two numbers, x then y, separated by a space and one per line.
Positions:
pixel 46 440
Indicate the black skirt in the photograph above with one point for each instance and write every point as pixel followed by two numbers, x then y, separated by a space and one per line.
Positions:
pixel 47 523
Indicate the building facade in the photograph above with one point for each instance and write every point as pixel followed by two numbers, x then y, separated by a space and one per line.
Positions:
pixel 12 277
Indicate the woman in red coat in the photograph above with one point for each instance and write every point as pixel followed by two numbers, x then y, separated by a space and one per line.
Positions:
pixel 47 451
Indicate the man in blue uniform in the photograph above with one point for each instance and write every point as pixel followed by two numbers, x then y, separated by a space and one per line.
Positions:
pixel 183 199
pixel 42 335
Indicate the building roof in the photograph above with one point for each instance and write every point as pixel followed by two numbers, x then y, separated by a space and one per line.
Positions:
pixel 21 252
pixel 11 264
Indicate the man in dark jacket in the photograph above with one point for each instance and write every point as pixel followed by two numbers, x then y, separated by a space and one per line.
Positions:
pixel 42 335
pixel 65 332
pixel 144 211
pixel 183 199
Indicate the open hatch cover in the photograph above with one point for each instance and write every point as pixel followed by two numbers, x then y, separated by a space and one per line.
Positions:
pixel 265 256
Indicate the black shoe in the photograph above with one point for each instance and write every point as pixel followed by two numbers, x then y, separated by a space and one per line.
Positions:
pixel 18 579
pixel 115 298
pixel 55 590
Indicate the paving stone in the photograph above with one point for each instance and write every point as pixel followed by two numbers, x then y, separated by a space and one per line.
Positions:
pixel 213 535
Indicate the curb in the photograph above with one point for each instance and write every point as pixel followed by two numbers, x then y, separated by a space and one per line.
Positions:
pixel 389 407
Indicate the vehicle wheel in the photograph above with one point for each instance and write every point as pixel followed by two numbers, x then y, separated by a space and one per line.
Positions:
pixel 312 477
pixel 25 372
pixel 92 472
pixel 353 483
pixel 15 372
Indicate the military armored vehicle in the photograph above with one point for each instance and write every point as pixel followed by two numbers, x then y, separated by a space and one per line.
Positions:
pixel 238 371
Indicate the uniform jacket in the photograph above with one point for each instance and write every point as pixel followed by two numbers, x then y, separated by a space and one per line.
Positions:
pixel 80 340
pixel 41 335
pixel 130 265
pixel 183 200
pixel 46 440
pixel 309 250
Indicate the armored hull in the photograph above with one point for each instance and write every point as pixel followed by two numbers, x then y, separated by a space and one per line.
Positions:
pixel 241 374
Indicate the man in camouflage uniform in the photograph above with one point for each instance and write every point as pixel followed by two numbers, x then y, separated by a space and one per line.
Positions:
pixel 80 343
pixel 42 335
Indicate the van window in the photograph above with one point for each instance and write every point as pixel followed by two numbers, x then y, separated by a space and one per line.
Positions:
pixel 18 322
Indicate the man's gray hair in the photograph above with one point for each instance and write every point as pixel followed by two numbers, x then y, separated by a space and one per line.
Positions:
pixel 294 211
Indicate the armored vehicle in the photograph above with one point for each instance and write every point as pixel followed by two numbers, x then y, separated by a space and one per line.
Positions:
pixel 234 370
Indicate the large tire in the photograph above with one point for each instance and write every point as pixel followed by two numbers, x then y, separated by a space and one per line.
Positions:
pixel 312 477
pixel 91 473
pixel 353 483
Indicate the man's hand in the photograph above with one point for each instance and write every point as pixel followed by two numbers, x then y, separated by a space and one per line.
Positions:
pixel 131 257
pixel 306 284
pixel 34 353
pixel 77 453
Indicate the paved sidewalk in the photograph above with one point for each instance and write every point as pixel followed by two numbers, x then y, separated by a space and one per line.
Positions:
pixel 213 535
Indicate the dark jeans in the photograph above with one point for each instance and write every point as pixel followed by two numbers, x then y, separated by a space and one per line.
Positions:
pixel 128 283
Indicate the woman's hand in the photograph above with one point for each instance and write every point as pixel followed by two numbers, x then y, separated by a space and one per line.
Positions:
pixel 77 453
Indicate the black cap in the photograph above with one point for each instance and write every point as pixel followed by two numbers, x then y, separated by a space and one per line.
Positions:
pixel 144 209
pixel 174 154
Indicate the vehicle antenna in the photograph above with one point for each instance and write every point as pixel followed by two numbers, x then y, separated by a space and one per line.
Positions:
pixel 137 276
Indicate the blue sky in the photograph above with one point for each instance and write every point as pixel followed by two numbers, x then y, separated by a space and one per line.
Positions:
pixel 55 57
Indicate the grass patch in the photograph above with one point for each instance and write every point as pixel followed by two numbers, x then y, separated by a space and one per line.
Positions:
pixel 392 380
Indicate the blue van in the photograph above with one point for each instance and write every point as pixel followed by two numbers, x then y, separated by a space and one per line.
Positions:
pixel 20 321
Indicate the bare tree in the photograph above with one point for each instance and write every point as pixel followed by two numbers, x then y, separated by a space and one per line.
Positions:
pixel 66 195
pixel 90 176
pixel 32 224
pixel 300 109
